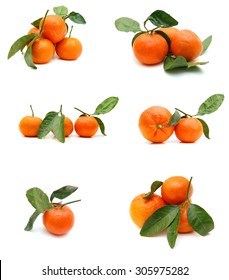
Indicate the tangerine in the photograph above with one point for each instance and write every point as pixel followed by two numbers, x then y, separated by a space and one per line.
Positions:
pixel 153 124
pixel 189 130
pixel 86 126
pixel 187 44
pixel 184 226
pixel 54 28
pixel 169 31
pixel 150 49
pixel 59 220
pixel 43 51
pixel 34 30
pixel 174 190
pixel 141 209
pixel 69 48
pixel 29 125
pixel 68 126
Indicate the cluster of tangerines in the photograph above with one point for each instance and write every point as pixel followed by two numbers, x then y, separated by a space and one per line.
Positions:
pixel 172 209
pixel 157 124
pixel 58 218
pixel 48 36
pixel 86 125
pixel 164 43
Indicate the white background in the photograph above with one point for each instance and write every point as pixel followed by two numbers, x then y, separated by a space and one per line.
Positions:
pixel 111 170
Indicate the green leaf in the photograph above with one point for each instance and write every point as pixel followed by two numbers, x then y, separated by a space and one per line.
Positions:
pixel 171 63
pixel 63 192
pixel 206 43
pixel 155 185
pixel 196 63
pixel 174 120
pixel 36 23
pixel 172 230
pixel 20 44
pixel 205 128
pixel 106 106
pixel 47 124
pixel 162 19
pixel 77 18
pixel 136 35
pixel 38 199
pixel 101 125
pixel 31 221
pixel 58 128
pixel 126 24
pixel 200 220
pixel 160 220
pixel 211 104
pixel 61 11
pixel 28 57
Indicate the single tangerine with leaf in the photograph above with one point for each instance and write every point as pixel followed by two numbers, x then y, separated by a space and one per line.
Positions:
pixel 174 190
pixel 58 220
pixel 29 125
pixel 187 44
pixel 86 126
pixel 189 130
pixel 150 48
pixel 141 208
pixel 43 51
pixel 153 124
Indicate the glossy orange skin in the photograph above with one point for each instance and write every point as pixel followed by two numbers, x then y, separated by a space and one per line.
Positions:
pixel 68 126
pixel 189 130
pixel 29 126
pixel 184 226
pixel 86 126
pixel 69 49
pixel 174 190
pixel 42 51
pixel 59 220
pixel 150 49
pixel 141 209
pixel 153 124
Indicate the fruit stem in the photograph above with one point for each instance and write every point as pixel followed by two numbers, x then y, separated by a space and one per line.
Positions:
pixel 42 26
pixel 70 202
pixel 32 110
pixel 61 110
pixel 189 185
pixel 70 32
pixel 81 111
pixel 183 112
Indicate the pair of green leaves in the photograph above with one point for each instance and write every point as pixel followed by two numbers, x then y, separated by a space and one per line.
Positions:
pixel 209 106
pixel 42 203
pixel 168 217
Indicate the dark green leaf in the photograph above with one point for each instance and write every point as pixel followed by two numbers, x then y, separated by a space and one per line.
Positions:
pixel 155 185
pixel 101 125
pixel 126 24
pixel 63 192
pixel 106 106
pixel 199 219
pixel 174 120
pixel 38 199
pixel 36 23
pixel 47 124
pixel 196 63
pixel 31 221
pixel 20 44
pixel 165 36
pixel 136 35
pixel 61 11
pixel 172 230
pixel 77 18
pixel 210 105
pixel 160 220
pixel 171 63
pixel 58 128
pixel 205 128
pixel 206 43
pixel 28 57
pixel 162 19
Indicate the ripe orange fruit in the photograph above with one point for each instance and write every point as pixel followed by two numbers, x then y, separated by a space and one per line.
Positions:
pixel 153 124
pixel 184 226
pixel 34 30
pixel 187 44
pixel 69 48
pixel 150 48
pixel 189 130
pixel 54 28
pixel 174 190
pixel 42 51
pixel 169 31
pixel 29 126
pixel 68 126
pixel 59 220
pixel 141 209
pixel 86 126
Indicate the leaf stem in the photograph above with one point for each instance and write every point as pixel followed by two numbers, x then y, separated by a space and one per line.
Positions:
pixel 189 185
pixel 42 26
pixel 70 202
pixel 81 111
pixel 61 110
pixel 70 32
pixel 32 110
pixel 183 112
